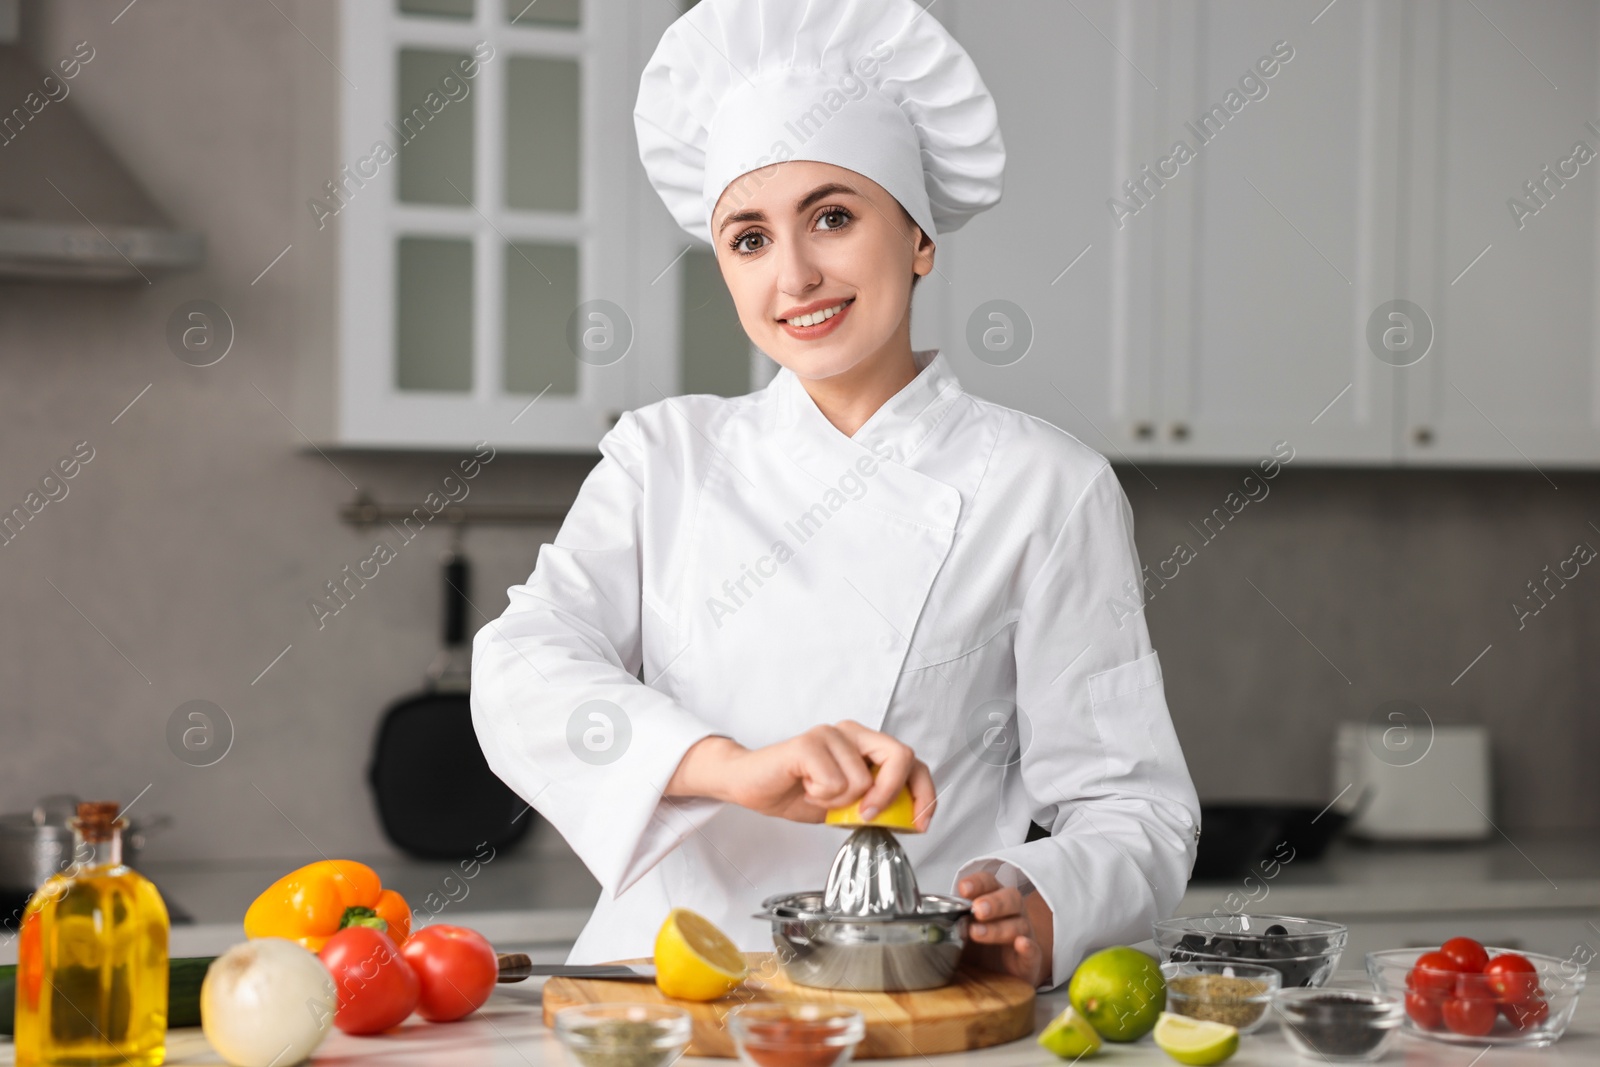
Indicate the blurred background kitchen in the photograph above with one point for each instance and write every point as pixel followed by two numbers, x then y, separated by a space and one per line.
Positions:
pixel 236 320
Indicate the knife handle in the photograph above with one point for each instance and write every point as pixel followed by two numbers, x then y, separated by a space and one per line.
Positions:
pixel 514 966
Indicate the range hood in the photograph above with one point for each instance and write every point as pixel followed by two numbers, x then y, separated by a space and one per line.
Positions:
pixel 69 210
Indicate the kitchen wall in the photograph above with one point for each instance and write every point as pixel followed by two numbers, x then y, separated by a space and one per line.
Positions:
pixel 179 565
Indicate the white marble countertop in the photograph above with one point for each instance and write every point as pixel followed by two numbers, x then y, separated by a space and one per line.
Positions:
pixel 508 1032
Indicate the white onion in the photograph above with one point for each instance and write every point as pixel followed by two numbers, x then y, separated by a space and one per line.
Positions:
pixel 266 1002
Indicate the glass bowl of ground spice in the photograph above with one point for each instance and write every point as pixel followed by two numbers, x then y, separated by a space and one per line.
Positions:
pixel 772 1034
pixel 623 1035
pixel 1238 994
pixel 1348 1020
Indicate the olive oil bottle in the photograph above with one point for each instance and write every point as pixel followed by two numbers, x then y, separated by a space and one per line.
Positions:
pixel 92 958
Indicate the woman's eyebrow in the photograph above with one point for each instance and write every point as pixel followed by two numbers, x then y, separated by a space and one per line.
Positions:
pixel 804 202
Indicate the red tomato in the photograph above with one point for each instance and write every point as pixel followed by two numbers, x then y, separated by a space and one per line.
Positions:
pixel 1526 1014
pixel 1434 972
pixel 457 969
pixel 1469 1015
pixel 1425 1009
pixel 376 988
pixel 1512 977
pixel 1470 956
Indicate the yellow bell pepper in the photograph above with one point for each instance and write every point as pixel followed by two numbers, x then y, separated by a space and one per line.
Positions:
pixel 310 905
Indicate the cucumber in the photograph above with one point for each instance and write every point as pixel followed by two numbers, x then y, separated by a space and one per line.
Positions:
pixel 184 976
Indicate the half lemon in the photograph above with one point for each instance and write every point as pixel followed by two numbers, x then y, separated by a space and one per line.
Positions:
pixel 695 960
pixel 899 814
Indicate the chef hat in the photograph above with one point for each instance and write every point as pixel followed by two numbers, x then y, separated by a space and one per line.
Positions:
pixel 875 86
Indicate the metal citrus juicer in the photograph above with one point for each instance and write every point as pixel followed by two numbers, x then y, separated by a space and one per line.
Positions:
pixel 871 929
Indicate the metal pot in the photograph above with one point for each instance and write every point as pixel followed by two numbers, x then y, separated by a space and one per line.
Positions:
pixel 36 844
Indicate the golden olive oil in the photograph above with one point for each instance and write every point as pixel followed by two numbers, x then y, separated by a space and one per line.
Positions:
pixel 92 958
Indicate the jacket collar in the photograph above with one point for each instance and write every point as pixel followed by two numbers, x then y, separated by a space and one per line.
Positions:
pixel 897 429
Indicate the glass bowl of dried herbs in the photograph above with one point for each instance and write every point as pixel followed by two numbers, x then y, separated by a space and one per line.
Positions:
pixel 623 1035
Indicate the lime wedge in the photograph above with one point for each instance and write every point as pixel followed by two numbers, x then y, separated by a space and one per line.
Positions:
pixel 1070 1036
pixel 1197 1042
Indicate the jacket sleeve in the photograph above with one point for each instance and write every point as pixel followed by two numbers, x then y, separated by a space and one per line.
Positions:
pixel 1099 761
pixel 558 706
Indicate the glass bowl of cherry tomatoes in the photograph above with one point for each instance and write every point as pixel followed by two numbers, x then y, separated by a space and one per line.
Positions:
pixel 1465 993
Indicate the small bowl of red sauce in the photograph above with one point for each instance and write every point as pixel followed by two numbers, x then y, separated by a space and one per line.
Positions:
pixel 795 1035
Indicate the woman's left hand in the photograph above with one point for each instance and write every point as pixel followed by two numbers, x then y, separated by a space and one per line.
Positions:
pixel 1010 931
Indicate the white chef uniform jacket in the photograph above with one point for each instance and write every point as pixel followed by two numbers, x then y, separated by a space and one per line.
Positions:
pixel 957 574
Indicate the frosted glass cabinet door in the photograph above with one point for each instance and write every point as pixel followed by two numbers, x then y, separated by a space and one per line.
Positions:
pixel 541 291
pixel 713 349
pixel 498 216
pixel 433 120
pixel 543 12
pixel 450 9
pixel 433 330
pixel 542 134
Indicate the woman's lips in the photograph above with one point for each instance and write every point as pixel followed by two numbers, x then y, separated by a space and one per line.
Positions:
pixel 821 329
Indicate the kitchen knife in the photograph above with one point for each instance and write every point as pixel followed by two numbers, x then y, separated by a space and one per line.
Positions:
pixel 516 966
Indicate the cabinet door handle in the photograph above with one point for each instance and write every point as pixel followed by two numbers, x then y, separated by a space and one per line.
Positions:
pixel 1422 435
pixel 1144 431
pixel 1179 431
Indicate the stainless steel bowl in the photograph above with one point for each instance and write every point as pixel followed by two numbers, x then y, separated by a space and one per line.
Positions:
pixel 867 953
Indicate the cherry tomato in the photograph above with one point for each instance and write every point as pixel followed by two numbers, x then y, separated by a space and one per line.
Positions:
pixel 457 969
pixel 376 988
pixel 1425 1009
pixel 1526 1014
pixel 1473 1016
pixel 1470 956
pixel 1434 972
pixel 1512 977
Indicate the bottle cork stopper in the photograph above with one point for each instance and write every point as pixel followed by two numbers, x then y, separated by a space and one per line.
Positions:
pixel 96 818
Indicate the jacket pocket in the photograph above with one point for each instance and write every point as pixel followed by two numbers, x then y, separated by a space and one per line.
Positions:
pixel 1130 677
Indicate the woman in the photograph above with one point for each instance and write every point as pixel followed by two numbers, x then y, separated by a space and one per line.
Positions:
pixel 752 598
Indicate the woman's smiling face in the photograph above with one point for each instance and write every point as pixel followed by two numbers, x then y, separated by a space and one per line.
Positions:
pixel 806 237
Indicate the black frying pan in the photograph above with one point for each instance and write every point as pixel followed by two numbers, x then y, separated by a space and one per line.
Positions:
pixel 436 797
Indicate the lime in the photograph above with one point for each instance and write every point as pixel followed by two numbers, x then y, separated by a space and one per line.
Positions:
pixel 1120 991
pixel 1070 1036
pixel 1198 1042
pixel 695 960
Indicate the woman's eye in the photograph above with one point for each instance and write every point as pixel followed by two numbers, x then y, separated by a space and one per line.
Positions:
pixel 839 213
pixel 739 243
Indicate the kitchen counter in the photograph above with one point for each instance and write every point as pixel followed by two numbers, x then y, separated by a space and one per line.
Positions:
pixel 508 1032
pixel 1523 873
pixel 1541 893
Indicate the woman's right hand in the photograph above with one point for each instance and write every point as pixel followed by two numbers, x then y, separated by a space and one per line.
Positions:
pixel 802 777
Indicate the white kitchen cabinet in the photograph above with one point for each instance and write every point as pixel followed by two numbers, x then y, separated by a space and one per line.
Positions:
pixel 1229 305
pixel 1221 298
pixel 1280 234
pixel 505 271
pixel 1222 309
pixel 1499 108
pixel 1073 340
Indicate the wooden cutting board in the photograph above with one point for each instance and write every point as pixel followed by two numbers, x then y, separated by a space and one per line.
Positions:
pixel 977 1009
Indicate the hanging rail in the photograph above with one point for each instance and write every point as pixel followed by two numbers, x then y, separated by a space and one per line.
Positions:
pixel 364 511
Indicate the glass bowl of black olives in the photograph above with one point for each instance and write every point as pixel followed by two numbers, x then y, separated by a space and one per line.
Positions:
pixel 1304 951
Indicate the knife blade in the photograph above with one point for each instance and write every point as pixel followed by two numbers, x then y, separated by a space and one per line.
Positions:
pixel 516 966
